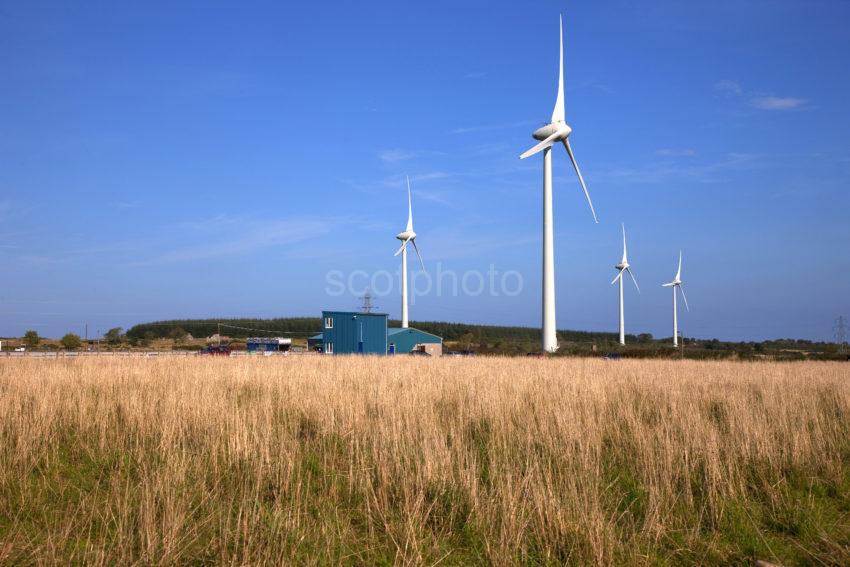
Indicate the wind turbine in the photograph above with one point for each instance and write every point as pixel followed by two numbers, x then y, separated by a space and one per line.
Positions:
pixel 677 283
pixel 407 236
pixel 556 131
pixel 623 266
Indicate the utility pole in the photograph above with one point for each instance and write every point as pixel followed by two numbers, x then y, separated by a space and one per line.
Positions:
pixel 840 329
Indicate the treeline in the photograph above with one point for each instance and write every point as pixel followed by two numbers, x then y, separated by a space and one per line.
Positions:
pixel 300 327
pixel 296 327
pixel 492 339
pixel 495 334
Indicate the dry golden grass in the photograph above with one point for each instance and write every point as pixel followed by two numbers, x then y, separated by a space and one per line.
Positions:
pixel 329 460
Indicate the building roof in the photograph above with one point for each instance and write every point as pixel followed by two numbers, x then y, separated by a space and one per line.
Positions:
pixel 269 340
pixel 396 330
pixel 356 313
pixel 318 337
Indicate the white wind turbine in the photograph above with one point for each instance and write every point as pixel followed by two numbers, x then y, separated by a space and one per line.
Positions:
pixel 623 266
pixel 407 236
pixel 556 131
pixel 677 283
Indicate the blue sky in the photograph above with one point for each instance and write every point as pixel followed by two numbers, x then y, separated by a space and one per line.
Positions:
pixel 196 159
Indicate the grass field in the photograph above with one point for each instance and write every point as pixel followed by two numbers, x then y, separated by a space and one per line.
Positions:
pixel 321 460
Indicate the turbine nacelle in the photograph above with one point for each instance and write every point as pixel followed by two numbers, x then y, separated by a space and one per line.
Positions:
pixel 550 129
pixel 622 266
pixel 406 235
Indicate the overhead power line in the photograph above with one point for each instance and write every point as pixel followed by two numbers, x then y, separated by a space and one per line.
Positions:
pixel 261 330
pixel 840 329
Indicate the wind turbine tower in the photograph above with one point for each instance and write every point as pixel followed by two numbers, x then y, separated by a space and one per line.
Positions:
pixel 623 266
pixel 677 284
pixel 554 132
pixel 407 235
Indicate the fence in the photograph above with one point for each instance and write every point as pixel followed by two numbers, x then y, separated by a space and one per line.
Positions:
pixel 133 354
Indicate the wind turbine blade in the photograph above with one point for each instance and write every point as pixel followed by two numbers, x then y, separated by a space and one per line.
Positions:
pixel 619 275
pixel 633 278
pixel 415 247
pixel 409 208
pixel 558 114
pixel 541 146
pixel 625 256
pixel 683 297
pixel 403 244
pixel 679 271
pixel 671 284
pixel 581 179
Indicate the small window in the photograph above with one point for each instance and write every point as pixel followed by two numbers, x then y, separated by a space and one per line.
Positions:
pixel 329 349
pixel 329 322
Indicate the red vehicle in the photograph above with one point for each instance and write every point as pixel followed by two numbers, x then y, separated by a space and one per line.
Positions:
pixel 222 350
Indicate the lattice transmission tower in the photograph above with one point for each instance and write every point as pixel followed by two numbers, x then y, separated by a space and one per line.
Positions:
pixel 367 306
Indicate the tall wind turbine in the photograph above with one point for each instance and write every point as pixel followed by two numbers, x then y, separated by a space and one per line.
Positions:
pixel 554 132
pixel 623 266
pixel 677 284
pixel 407 236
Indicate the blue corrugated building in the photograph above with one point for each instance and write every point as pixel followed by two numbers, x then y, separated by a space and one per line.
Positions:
pixel 346 332
pixel 403 341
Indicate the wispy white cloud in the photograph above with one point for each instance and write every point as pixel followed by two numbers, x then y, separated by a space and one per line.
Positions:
pixel 124 205
pixel 591 84
pixel 486 149
pixel 430 176
pixel 213 223
pixel 396 155
pixel 778 103
pixel 451 243
pixel 676 152
pixel 5 209
pixel 476 75
pixel 653 173
pixel 732 89
pixel 439 197
pixel 214 237
pixel 396 181
pixel 786 193
pixel 243 236
pixel 490 127
pixel 728 87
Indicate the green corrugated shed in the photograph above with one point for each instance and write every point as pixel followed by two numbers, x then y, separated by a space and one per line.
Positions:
pixel 402 341
pixel 315 341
